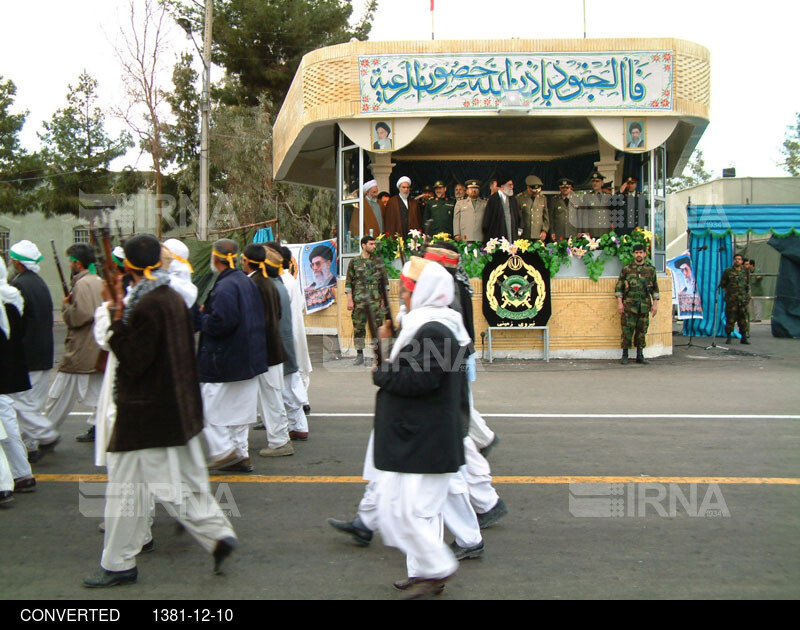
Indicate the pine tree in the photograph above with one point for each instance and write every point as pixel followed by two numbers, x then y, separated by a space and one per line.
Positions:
pixel 791 148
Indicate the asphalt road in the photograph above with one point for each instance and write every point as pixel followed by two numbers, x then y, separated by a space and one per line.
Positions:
pixel 639 432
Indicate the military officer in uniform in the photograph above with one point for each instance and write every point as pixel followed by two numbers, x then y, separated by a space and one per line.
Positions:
pixel 596 206
pixel 438 211
pixel 628 206
pixel 459 191
pixel 736 284
pixel 637 297
pixel 563 211
pixel 468 214
pixel 535 213
pixel 365 275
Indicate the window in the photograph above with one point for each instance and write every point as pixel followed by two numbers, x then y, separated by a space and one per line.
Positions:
pixel 80 235
pixel 5 243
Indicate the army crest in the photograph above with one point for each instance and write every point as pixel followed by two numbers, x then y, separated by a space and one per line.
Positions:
pixel 516 290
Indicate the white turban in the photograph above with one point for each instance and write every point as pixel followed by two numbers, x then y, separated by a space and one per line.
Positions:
pixel 27 254
pixel 180 271
pixel 403 180
pixel 369 186
pixel 8 295
pixel 119 253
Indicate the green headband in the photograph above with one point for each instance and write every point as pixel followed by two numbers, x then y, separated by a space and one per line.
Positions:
pixel 22 258
pixel 92 268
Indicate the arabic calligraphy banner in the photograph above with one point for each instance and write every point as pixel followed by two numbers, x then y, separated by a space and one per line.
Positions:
pixel 544 81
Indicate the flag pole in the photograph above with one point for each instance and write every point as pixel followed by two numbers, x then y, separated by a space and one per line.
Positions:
pixel 431 20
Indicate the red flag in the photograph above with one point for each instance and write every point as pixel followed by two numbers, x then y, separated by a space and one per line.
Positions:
pixel 431 5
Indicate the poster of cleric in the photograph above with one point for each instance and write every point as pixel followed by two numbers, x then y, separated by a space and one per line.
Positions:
pixel 318 274
pixel 684 287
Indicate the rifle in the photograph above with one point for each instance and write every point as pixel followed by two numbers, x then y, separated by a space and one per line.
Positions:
pixel 108 270
pixel 384 288
pixel 60 270
pixel 372 322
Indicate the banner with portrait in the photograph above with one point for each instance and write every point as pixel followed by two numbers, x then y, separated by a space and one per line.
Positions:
pixel 516 290
pixel 318 274
pixel 684 287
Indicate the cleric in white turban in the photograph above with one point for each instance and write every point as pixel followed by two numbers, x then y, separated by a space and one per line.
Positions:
pixel 373 213
pixel 402 212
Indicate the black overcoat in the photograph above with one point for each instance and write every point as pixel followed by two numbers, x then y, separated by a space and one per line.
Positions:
pixel 494 220
pixel 38 320
pixel 422 407
pixel 13 370
pixel 157 388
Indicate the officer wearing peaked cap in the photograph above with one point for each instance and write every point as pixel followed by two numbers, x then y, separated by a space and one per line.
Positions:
pixel 533 207
pixel 595 216
pixel 468 213
pixel 437 216
pixel 564 211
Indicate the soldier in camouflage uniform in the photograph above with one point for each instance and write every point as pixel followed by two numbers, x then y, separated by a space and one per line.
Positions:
pixel 736 284
pixel 363 288
pixel 637 296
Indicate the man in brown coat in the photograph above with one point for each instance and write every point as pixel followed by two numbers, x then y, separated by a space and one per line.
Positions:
pixel 372 210
pixel 78 379
pixel 155 446
pixel 402 212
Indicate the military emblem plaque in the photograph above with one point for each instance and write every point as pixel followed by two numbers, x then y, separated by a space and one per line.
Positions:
pixel 516 290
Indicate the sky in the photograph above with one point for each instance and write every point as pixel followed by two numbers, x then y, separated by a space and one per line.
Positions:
pixel 45 44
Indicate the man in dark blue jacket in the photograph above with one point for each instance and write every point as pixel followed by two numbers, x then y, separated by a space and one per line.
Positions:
pixel 232 353
pixel 40 435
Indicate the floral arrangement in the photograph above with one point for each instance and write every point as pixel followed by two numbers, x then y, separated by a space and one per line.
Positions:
pixel 593 252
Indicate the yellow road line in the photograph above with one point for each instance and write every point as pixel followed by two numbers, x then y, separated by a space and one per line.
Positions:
pixel 510 480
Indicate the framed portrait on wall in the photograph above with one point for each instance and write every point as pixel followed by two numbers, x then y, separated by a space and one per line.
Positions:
pixel 635 130
pixel 382 138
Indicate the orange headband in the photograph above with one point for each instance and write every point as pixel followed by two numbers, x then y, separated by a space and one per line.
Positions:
pixel 229 257
pixel 257 263
pixel 146 270
pixel 181 260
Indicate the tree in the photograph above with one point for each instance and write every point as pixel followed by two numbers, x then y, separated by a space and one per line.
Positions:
pixel 241 157
pixel 791 148
pixel 143 45
pixel 18 169
pixel 77 149
pixel 10 127
pixel 697 174
pixel 182 137
pixel 261 42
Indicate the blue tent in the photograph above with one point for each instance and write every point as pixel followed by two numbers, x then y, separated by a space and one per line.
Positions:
pixel 711 230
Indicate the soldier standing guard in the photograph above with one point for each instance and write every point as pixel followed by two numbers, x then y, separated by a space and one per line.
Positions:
pixel 439 211
pixel 365 275
pixel 637 296
pixel 468 214
pixel 533 207
pixel 736 284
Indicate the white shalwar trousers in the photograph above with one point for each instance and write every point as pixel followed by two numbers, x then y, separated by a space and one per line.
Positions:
pixel 6 478
pixel 271 406
pixel 479 431
pixel 68 389
pixel 410 510
pixel 478 476
pixel 34 425
pixel 459 515
pixel 222 441
pixel 178 478
pixel 13 446
pixel 229 409
pixel 294 397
